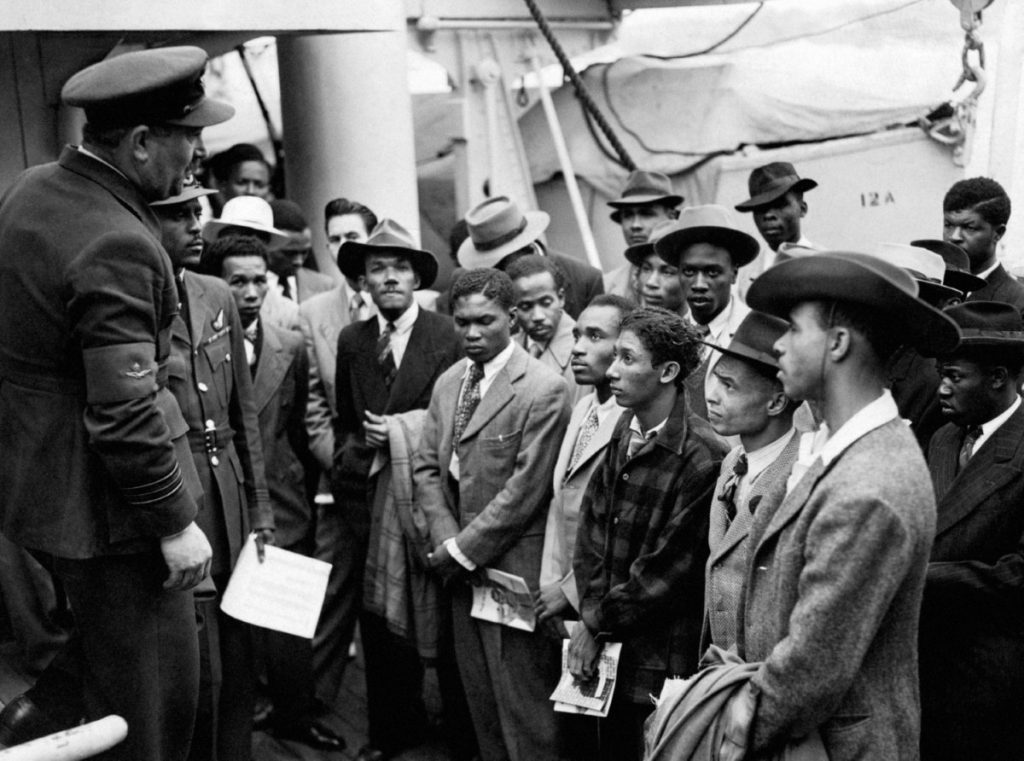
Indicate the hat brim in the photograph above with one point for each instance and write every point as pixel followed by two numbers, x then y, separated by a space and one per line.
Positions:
pixel 352 260
pixel 742 248
pixel 747 354
pixel 637 255
pixel 211 231
pixel 979 339
pixel 188 194
pixel 936 292
pixel 801 185
pixel 209 112
pixel 471 257
pixel 963 281
pixel 626 201
pixel 831 276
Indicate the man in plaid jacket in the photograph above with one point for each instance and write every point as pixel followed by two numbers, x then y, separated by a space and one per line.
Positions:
pixel 642 540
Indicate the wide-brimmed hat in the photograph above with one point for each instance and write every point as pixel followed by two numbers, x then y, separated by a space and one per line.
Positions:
pixel 856 278
pixel 958 264
pixel 158 86
pixel 188 192
pixel 988 323
pixel 707 224
pixel 926 267
pixel 387 237
pixel 248 212
pixel 754 339
pixel 498 228
pixel 644 188
pixel 772 181
pixel 638 253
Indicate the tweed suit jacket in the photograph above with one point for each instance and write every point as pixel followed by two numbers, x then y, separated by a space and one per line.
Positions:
pixel 729 550
pixel 280 387
pixel 641 548
pixel 1001 286
pixel 92 439
pixel 507 454
pixel 569 488
pixel 558 355
pixel 972 619
pixel 322 317
pixel 832 596
pixel 433 347
pixel 210 379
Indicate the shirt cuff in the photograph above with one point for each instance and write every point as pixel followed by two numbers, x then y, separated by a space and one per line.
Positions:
pixel 455 552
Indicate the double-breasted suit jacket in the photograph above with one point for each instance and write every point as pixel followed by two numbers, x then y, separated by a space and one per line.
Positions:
pixel 972 619
pixel 569 485
pixel 832 597
pixel 280 387
pixel 210 379
pixel 727 541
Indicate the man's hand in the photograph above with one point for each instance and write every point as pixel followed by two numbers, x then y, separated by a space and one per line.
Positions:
pixel 443 564
pixel 550 602
pixel 187 555
pixel 264 536
pixel 375 430
pixel 583 652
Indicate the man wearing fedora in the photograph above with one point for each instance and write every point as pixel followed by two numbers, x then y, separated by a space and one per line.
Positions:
pixel 975 212
pixel 93 480
pixel 387 365
pixel 745 399
pixel 708 250
pixel 657 281
pixel 972 651
pixel 499 233
pixel 646 200
pixel 839 552
pixel 777 204
pixel 249 215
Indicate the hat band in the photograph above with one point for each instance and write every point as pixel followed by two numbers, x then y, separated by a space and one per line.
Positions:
pixel 1015 335
pixel 501 240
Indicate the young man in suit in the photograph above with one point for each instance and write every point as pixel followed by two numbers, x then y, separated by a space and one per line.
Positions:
pixel 482 473
pixel 94 479
pixel 708 251
pixel 643 534
pixel 972 652
pixel 974 216
pixel 387 365
pixel 296 281
pixel 546 331
pixel 745 399
pixel 838 553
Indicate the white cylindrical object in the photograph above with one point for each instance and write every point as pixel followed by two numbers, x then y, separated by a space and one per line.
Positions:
pixel 73 744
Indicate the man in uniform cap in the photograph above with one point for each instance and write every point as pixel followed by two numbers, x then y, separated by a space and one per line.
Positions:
pixel 708 251
pixel 646 201
pixel 94 479
pixel 839 552
pixel 972 652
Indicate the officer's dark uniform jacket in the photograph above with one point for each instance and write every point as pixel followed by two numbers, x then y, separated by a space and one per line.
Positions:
pixel 210 379
pixel 91 438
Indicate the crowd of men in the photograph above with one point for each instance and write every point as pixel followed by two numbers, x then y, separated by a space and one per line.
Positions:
pixel 791 476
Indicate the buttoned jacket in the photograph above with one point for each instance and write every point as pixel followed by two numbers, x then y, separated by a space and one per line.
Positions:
pixel 832 596
pixel 507 452
pixel 91 437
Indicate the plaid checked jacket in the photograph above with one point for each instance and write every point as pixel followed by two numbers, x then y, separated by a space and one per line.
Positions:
pixel 641 548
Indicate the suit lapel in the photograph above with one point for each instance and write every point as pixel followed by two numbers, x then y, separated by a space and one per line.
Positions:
pixel 561 344
pixel 197 310
pixel 270 369
pixel 417 366
pixel 599 440
pixel 571 433
pixel 499 394
pixel 793 502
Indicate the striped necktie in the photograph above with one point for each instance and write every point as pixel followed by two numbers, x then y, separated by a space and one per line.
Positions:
pixel 385 357
pixel 971 436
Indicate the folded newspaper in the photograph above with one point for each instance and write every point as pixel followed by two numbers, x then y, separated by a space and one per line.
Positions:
pixel 592 697
pixel 505 599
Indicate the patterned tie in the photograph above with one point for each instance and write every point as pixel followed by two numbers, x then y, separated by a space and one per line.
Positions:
pixel 385 357
pixel 355 307
pixel 251 334
pixel 971 436
pixel 732 483
pixel 536 350
pixel 586 434
pixel 469 400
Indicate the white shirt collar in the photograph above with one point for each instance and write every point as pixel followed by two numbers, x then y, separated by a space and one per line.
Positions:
pixel 404 322
pixel 604 409
pixel 634 425
pixel 721 321
pixel 993 425
pixel 868 418
pixel 761 458
pixel 984 275
pixel 492 367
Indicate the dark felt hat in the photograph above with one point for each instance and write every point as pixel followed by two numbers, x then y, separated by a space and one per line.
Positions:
pixel 772 181
pixel 926 267
pixel 644 188
pixel 158 86
pixel 988 323
pixel 707 224
pixel 855 278
pixel 638 253
pixel 387 237
pixel 958 264
pixel 755 338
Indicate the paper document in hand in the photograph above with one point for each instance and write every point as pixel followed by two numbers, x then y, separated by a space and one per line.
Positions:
pixel 592 697
pixel 504 599
pixel 284 593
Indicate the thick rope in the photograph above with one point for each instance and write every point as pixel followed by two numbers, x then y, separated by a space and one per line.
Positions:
pixel 581 89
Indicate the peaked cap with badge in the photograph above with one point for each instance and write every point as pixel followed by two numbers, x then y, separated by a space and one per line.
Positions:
pixel 644 188
pixel 158 86
pixel 497 228
pixel 711 224
pixel 387 237
pixel 862 279
pixel 772 181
